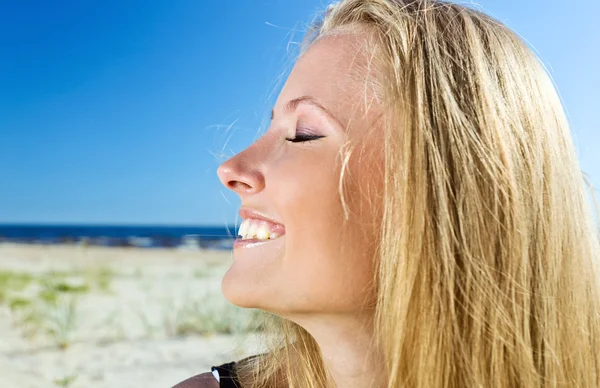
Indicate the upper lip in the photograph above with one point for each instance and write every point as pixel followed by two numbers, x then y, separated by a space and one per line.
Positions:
pixel 251 213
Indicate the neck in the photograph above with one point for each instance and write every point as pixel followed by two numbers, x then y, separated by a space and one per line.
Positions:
pixel 348 350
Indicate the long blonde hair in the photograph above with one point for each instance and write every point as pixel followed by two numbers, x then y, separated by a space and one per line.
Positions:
pixel 489 259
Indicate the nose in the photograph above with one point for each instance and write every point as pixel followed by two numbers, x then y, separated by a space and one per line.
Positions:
pixel 240 175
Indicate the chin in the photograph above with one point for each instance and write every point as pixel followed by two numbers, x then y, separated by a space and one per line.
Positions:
pixel 243 292
pixel 236 291
pixel 253 280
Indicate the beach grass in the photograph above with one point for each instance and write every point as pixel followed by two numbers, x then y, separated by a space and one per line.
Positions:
pixel 44 303
pixel 208 315
pixel 66 381
pixel 160 310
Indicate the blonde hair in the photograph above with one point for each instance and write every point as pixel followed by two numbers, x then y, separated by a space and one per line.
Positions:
pixel 488 267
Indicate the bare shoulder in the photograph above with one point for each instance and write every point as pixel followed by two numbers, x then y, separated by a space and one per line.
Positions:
pixel 203 380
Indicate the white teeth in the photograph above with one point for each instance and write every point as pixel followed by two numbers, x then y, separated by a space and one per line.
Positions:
pixel 263 232
pixel 251 232
pixel 243 229
pixel 253 228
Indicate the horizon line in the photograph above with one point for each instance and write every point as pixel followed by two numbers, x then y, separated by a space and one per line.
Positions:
pixel 175 225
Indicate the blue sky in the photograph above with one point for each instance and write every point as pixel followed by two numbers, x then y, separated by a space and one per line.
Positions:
pixel 117 112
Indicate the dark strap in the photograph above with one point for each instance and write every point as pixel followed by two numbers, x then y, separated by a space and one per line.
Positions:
pixel 227 376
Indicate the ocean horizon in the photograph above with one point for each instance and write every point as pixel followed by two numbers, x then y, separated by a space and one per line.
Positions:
pixel 143 236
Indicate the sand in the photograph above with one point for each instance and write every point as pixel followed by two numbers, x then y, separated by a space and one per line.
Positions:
pixel 114 317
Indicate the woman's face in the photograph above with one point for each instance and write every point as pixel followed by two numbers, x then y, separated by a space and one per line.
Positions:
pixel 318 264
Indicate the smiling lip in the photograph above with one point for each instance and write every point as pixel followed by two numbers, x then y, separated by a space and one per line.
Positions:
pixel 251 213
pixel 251 242
pixel 247 213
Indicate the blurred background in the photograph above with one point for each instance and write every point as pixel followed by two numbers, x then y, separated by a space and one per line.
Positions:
pixel 115 231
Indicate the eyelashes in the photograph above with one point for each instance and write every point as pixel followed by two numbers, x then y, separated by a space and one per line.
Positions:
pixel 299 138
pixel 303 135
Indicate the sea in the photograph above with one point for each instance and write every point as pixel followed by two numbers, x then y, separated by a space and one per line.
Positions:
pixel 188 237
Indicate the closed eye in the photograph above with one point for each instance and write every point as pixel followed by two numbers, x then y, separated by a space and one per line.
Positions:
pixel 302 138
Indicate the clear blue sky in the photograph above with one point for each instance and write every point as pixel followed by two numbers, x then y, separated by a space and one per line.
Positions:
pixel 115 112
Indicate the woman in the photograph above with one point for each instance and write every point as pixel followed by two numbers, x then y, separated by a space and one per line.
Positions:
pixel 415 215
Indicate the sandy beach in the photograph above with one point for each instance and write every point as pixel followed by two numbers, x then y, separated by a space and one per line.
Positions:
pixel 98 317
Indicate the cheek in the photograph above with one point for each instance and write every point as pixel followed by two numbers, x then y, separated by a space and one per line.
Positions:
pixel 305 192
pixel 304 186
pixel 327 261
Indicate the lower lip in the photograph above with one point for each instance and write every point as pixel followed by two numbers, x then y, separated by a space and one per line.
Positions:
pixel 252 242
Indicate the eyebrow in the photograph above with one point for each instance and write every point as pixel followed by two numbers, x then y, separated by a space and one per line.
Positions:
pixel 293 104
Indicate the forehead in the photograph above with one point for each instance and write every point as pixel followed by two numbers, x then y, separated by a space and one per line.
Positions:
pixel 334 70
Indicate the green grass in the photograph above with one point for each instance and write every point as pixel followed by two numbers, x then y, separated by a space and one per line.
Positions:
pixel 102 277
pixel 45 303
pixel 11 285
pixel 201 273
pixel 149 328
pixel 69 288
pixel 11 282
pixel 66 381
pixel 15 280
pixel 98 278
pixel 19 303
pixel 211 315
pixel 61 321
pixel 111 328
pixel 53 286
pixel 57 318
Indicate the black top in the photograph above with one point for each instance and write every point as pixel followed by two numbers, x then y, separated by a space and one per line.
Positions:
pixel 227 376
